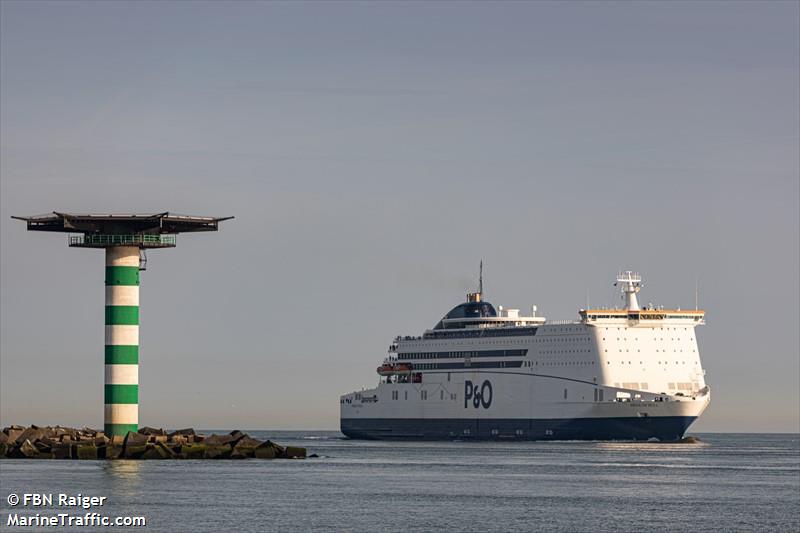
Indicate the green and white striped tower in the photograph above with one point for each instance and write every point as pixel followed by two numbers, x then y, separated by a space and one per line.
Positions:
pixel 122 340
pixel 125 238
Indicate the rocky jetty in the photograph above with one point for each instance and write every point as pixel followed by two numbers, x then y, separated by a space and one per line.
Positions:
pixel 148 443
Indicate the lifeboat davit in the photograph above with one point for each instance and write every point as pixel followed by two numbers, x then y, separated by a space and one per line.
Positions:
pixel 392 369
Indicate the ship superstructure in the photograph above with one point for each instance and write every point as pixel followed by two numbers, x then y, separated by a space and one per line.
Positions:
pixel 486 373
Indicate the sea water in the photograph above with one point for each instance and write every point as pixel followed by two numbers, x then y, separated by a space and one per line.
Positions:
pixel 727 482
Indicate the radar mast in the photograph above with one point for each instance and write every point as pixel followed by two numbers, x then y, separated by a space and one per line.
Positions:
pixel 630 283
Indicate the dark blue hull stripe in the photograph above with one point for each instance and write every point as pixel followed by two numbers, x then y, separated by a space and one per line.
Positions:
pixel 666 428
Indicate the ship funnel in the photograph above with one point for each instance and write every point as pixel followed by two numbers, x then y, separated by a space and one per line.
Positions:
pixel 630 283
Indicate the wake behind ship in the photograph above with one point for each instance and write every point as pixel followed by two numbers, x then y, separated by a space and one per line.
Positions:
pixel 614 374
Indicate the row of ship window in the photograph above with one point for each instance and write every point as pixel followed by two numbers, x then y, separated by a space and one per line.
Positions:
pixel 453 355
pixel 663 351
pixel 468 364
pixel 641 362
pixel 516 332
pixel 483 332
pixel 644 386
pixel 668 329
pixel 662 338
pixel 570 338
pixel 423 395
pixel 648 316
pixel 557 363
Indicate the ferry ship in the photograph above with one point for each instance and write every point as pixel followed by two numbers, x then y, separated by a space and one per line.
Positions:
pixel 481 373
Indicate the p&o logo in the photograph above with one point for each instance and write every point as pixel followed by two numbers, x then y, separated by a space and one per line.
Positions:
pixel 479 395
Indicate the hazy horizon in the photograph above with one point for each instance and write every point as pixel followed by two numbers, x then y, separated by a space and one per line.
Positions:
pixel 373 154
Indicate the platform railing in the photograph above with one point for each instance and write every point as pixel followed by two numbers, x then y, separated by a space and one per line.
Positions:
pixel 145 240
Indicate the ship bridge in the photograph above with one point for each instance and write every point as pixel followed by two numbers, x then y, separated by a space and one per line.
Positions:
pixel 648 316
pixel 630 283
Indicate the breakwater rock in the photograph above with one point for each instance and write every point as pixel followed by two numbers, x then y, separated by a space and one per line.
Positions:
pixel 56 442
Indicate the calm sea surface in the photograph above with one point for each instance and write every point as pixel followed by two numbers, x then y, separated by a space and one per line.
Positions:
pixel 727 483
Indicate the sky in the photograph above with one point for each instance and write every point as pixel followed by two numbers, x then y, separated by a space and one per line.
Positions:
pixel 373 154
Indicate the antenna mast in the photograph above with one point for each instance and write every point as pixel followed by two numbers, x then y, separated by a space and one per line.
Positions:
pixel 476 296
pixel 480 279
pixel 696 293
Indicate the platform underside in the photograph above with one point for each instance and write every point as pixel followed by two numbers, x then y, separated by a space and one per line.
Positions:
pixel 668 428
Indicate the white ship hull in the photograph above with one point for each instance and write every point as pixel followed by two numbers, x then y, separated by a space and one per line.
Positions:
pixel 516 408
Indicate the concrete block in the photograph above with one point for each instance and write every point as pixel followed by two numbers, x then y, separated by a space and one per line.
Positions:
pixel 134 439
pixel 113 452
pixel 265 452
pixel 155 452
pixel 222 451
pixel 279 450
pixel 219 440
pixel 295 452
pixel 249 442
pixel 27 449
pixel 62 451
pixel 151 431
pixel 193 451
pixel 87 451
pixel 241 451
pixel 42 447
pixel 12 434
pixel 167 450
pixel 31 434
pixel 48 441
pixel 133 452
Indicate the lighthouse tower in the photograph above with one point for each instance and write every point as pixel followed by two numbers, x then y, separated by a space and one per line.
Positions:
pixel 125 239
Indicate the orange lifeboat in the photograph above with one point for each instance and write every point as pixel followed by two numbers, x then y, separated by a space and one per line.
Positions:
pixel 392 369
